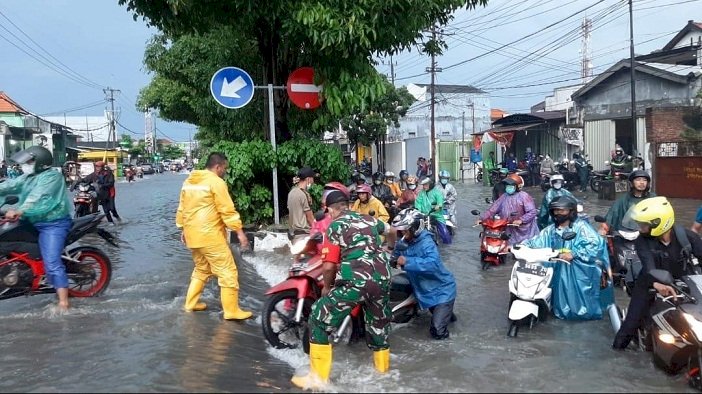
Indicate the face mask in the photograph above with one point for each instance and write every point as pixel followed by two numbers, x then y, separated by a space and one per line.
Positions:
pixel 443 181
pixel 560 219
pixel 557 185
pixel 28 168
pixel 390 181
pixel 510 189
pixel 412 187
pixel 377 182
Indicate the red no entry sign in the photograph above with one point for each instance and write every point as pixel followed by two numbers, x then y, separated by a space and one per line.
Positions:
pixel 302 90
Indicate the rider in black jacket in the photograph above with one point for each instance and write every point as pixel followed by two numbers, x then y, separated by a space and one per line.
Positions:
pixel 662 245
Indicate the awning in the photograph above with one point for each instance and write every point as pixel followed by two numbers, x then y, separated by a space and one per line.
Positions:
pixel 76 149
pixel 507 129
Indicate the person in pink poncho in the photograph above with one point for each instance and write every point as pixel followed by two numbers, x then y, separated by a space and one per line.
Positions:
pixel 513 200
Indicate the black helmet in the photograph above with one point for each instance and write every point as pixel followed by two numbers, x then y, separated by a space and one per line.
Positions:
pixel 41 156
pixel 359 178
pixel 403 173
pixel 639 174
pixel 378 176
pixel 564 202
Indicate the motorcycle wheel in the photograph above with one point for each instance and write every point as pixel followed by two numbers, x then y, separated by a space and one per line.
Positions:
pixel 278 320
pixel 90 275
pixel 479 178
pixel 595 184
pixel 513 329
pixel 81 210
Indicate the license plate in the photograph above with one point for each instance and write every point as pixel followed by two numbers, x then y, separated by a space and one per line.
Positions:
pixel 531 269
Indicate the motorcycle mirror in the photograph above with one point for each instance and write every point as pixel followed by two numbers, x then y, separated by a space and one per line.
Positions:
pixel 11 200
pixel 371 213
pixel 505 236
pixel 600 219
pixel 475 211
pixel 569 235
pixel 662 276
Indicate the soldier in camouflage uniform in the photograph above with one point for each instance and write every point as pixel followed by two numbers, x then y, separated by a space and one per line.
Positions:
pixel 356 271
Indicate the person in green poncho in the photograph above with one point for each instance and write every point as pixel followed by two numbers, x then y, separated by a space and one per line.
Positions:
pixel 430 201
pixel 43 202
pixel 488 164
pixel 639 189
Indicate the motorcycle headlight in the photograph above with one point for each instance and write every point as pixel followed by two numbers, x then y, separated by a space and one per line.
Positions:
pixel 695 325
pixel 83 188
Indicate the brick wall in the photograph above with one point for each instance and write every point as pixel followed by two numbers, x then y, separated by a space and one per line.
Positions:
pixel 665 124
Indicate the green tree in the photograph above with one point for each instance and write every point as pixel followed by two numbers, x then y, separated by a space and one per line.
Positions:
pixel 270 39
pixel 170 152
pixel 370 126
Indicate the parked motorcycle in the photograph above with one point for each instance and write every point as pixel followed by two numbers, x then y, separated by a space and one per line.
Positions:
pixel 479 175
pixel 85 200
pixel 289 303
pixel 676 332
pixel 22 270
pixel 494 245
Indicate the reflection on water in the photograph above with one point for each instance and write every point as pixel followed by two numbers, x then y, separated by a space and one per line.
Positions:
pixel 136 337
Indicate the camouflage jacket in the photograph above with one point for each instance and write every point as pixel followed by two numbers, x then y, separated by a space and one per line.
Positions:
pixel 362 258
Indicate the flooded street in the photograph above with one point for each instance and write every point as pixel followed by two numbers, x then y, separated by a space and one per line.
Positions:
pixel 137 338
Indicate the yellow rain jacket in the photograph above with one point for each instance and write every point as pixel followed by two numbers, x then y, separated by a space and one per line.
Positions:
pixel 206 210
pixel 394 188
pixel 373 205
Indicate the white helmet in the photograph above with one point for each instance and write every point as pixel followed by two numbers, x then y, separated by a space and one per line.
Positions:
pixel 409 219
pixel 389 174
pixel 556 177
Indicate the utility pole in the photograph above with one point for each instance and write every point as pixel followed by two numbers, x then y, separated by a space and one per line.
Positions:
pixel 392 70
pixel 633 72
pixel 586 62
pixel 111 99
pixel 433 70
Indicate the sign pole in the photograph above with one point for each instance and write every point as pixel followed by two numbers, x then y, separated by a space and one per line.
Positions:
pixel 271 123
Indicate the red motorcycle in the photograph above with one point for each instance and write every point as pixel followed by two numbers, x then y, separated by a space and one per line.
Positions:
pixel 494 241
pixel 22 270
pixel 289 303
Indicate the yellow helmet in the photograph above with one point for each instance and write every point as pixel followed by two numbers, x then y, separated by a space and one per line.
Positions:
pixel 655 212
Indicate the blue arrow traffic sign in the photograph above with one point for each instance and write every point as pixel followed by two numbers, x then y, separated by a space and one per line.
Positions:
pixel 232 87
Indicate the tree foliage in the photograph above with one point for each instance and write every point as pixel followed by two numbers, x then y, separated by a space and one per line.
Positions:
pixel 250 171
pixel 371 125
pixel 170 152
pixel 270 39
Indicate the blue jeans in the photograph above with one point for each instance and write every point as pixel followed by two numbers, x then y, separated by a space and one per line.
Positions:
pixel 52 239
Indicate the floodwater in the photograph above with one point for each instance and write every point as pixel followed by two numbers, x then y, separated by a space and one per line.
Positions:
pixel 135 337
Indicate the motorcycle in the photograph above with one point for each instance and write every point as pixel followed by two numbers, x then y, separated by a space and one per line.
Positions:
pixel 129 174
pixel 288 304
pixel 494 245
pixel 597 177
pixel 479 175
pixel 529 285
pixel 676 332
pixel 22 271
pixel 626 264
pixel 85 199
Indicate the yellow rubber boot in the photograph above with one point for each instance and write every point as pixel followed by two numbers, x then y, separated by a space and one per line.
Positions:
pixel 381 359
pixel 193 295
pixel 320 368
pixel 230 304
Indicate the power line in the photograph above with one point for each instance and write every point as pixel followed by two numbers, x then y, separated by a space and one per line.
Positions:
pixel 78 75
pixel 128 129
pixel 74 109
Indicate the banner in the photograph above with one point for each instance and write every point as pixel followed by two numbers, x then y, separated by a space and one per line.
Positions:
pixel 502 138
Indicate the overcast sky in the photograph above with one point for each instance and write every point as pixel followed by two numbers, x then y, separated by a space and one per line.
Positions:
pixel 99 44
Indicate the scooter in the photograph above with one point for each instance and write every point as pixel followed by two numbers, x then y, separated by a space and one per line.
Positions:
pixel 676 331
pixel 529 285
pixel 494 245
pixel 288 304
pixel 626 264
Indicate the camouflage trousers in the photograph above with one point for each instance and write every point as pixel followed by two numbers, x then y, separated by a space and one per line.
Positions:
pixel 329 312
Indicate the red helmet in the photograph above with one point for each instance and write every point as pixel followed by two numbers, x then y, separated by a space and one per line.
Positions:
pixel 337 186
pixel 517 179
pixel 364 189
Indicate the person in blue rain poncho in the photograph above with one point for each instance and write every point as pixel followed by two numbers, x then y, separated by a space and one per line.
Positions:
pixel 583 288
pixel 418 255
pixel 43 201
pixel 556 190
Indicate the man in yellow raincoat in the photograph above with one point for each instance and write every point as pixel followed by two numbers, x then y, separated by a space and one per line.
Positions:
pixel 205 212
pixel 366 204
